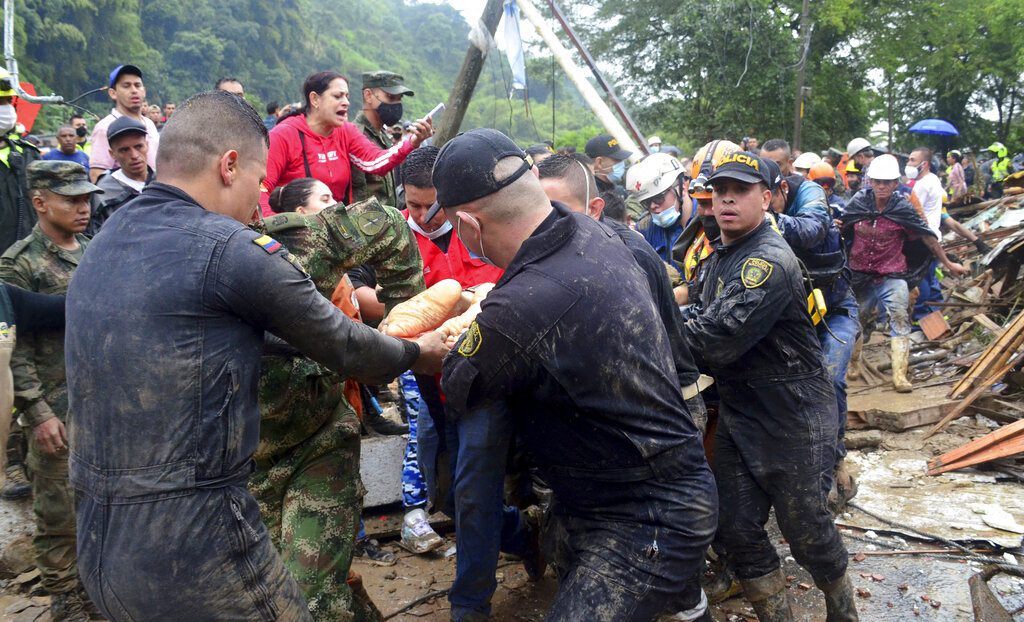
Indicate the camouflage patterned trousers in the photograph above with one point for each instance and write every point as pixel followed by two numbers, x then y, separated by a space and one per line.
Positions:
pixel 54 506
pixel 311 499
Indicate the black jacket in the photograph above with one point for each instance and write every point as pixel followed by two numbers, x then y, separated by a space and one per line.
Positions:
pixel 664 299
pixel 16 214
pixel 571 341
pixel 754 323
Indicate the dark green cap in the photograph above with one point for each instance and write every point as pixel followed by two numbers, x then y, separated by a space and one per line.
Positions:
pixel 67 178
pixel 389 82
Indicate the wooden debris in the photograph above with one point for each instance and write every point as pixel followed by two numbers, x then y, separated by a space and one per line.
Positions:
pixel 975 394
pixel 1006 441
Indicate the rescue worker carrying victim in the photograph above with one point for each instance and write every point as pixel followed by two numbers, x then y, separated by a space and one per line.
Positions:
pixel 775 443
pixel 553 352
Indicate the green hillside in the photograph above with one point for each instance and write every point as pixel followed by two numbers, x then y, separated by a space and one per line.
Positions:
pixel 69 47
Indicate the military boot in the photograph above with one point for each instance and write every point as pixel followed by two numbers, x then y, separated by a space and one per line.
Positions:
pixel 16 486
pixel 68 607
pixel 377 423
pixel 839 601
pixel 768 597
pixel 900 354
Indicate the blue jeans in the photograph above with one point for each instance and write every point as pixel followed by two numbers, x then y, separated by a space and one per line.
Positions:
pixel 930 291
pixel 893 296
pixel 837 334
pixel 472 452
pixel 414 489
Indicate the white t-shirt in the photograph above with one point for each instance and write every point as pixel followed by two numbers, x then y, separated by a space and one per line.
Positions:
pixel 929 192
pixel 124 179
pixel 101 158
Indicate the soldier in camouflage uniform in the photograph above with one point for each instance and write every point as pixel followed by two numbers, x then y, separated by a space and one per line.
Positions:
pixel 307 478
pixel 382 105
pixel 43 262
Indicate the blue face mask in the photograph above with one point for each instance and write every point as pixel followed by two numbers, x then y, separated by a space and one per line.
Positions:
pixel 618 172
pixel 666 218
pixel 656 149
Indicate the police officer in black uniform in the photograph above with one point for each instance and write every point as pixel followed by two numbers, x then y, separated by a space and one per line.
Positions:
pixel 775 443
pixel 555 348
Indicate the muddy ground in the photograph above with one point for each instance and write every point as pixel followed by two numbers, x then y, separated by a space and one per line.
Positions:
pixel 893 587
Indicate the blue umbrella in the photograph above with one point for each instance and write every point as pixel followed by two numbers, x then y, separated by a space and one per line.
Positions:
pixel 938 127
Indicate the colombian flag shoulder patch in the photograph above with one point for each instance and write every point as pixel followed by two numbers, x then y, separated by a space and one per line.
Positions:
pixel 267 243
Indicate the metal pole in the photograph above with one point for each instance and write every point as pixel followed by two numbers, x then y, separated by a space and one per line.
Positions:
pixel 589 60
pixel 465 82
pixel 576 75
pixel 12 63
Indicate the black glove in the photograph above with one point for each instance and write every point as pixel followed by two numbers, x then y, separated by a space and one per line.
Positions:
pixel 983 248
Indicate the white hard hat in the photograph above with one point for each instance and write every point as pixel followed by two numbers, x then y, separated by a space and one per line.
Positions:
pixel 884 167
pixel 653 175
pixel 654 140
pixel 857 145
pixel 806 160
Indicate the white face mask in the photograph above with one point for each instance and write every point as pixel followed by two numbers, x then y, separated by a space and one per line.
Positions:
pixel 430 235
pixel 8 118
pixel 911 171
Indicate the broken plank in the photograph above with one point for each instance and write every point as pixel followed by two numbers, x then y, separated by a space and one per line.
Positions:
pixel 987 322
pixel 1006 441
pixel 973 395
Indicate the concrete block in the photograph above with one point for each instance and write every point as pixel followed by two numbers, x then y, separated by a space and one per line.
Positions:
pixel 380 467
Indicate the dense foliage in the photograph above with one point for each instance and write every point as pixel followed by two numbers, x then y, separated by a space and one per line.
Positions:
pixel 70 46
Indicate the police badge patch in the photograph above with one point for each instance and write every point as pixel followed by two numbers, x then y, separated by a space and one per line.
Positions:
pixel 755 272
pixel 471 341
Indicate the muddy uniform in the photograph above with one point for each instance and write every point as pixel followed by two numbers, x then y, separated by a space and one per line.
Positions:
pixel 775 443
pixel 37 264
pixel 307 463
pixel 658 282
pixel 164 401
pixel 367 185
pixel 604 421
pixel 806 224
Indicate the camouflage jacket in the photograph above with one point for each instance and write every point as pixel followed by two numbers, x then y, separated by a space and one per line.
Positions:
pixel 298 396
pixel 368 185
pixel 37 264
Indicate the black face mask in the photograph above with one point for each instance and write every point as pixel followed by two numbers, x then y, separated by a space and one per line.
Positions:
pixel 711 229
pixel 390 114
pixel 854 185
pixel 80 131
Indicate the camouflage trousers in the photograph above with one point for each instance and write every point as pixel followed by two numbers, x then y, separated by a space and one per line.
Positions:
pixel 54 506
pixel 311 499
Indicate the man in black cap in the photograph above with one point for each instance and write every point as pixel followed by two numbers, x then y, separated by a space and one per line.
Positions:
pixel 609 158
pixel 634 503
pixel 128 93
pixel 775 443
pixel 382 106
pixel 129 146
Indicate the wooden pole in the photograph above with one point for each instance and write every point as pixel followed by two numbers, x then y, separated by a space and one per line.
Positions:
pixel 465 82
pixel 798 104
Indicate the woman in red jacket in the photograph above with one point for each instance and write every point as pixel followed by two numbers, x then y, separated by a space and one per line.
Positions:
pixel 320 142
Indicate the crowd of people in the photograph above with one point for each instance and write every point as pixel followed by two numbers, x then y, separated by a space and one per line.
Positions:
pixel 661 362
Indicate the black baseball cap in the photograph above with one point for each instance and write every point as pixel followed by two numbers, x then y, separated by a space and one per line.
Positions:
pixel 131 70
pixel 743 166
pixel 124 125
pixel 464 169
pixel 608 146
pixel 774 173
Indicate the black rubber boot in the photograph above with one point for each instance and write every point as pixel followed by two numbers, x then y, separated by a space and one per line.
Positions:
pixel 768 597
pixel 840 605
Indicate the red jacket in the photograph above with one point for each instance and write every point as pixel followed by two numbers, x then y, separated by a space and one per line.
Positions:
pixel 329 158
pixel 455 264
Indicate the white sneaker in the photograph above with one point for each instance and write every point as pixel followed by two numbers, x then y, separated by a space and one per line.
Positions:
pixel 417 535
